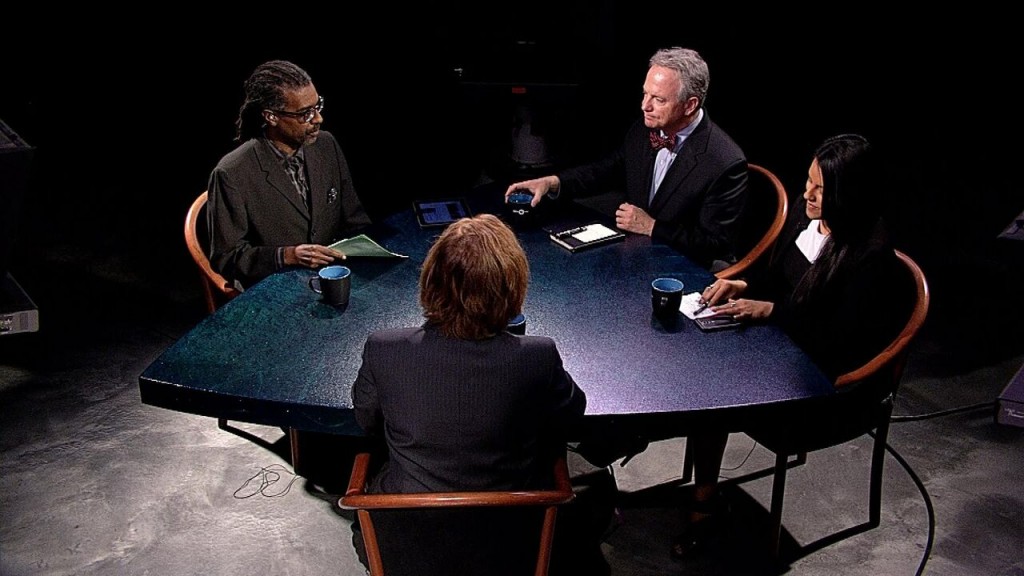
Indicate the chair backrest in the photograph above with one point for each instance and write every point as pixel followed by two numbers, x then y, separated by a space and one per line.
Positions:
pixel 766 197
pixel 216 288
pixel 893 358
pixel 356 498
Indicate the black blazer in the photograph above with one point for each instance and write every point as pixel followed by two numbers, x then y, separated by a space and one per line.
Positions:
pixel 253 208
pixel 464 415
pixel 698 205
pixel 856 315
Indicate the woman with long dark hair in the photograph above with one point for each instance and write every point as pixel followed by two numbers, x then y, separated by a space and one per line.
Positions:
pixel 829 284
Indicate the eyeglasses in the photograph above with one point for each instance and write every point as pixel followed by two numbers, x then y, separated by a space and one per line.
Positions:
pixel 305 115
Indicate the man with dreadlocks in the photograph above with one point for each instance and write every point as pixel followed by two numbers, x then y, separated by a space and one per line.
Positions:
pixel 285 192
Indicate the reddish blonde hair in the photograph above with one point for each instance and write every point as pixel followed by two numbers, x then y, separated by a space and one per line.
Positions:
pixel 474 278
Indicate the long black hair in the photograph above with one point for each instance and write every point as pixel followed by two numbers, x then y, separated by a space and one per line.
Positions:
pixel 850 207
pixel 264 90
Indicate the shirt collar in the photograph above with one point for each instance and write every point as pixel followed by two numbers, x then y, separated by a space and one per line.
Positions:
pixel 683 134
pixel 300 154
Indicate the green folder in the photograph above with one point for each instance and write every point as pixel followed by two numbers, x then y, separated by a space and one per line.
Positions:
pixel 363 245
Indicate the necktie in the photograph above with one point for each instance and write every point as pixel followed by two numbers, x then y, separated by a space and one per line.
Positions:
pixel 298 175
pixel 661 161
pixel 658 141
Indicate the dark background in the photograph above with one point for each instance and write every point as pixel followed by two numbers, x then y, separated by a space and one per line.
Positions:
pixel 127 115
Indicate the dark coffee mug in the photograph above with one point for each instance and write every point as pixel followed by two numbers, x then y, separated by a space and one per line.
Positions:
pixel 517 325
pixel 666 296
pixel 518 206
pixel 333 283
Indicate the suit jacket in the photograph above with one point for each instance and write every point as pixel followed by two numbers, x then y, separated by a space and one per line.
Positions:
pixel 253 208
pixel 698 205
pixel 464 415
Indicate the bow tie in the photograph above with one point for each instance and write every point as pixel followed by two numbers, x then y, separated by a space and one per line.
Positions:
pixel 658 141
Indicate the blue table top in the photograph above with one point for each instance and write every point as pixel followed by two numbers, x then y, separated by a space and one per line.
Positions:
pixel 277 355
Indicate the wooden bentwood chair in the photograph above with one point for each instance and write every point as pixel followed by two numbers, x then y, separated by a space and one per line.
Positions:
pixel 766 196
pixel 216 288
pixel 356 498
pixel 883 371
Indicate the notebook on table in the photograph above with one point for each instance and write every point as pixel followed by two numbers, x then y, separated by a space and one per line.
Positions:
pixel 578 237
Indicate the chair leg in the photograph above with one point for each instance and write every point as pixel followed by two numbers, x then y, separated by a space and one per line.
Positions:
pixel 778 493
pixel 373 556
pixel 688 462
pixel 293 443
pixel 547 535
pixel 877 463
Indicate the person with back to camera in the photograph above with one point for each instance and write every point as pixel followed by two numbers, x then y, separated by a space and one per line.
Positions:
pixel 285 192
pixel 461 403
pixel 683 178
pixel 829 284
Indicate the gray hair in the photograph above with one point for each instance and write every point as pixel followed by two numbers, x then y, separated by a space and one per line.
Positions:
pixel 693 71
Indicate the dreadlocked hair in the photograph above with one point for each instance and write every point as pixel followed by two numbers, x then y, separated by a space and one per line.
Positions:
pixel 264 90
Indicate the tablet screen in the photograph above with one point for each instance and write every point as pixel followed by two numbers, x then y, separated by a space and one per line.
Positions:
pixel 440 212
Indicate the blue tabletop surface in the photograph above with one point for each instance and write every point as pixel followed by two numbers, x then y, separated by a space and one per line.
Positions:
pixel 277 355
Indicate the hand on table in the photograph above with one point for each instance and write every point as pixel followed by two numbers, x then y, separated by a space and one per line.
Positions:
pixel 745 309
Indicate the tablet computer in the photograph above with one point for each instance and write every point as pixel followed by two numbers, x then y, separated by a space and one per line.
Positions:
pixel 441 212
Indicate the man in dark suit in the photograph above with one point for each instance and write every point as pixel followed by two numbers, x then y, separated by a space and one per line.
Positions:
pixel 285 193
pixel 681 177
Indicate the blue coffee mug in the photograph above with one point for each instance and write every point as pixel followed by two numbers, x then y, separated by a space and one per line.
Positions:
pixel 517 325
pixel 333 283
pixel 666 296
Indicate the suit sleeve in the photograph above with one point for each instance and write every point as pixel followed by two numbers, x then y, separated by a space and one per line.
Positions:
pixel 365 401
pixel 604 175
pixel 568 401
pixel 231 253
pixel 715 234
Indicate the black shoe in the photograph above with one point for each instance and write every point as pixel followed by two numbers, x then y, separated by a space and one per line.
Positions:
pixel 705 524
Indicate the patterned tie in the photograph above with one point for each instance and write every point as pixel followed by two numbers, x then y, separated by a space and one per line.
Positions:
pixel 297 172
pixel 658 141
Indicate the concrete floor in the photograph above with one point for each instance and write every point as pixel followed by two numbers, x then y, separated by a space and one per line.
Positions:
pixel 94 482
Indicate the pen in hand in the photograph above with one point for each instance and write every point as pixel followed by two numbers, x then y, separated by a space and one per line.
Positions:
pixel 703 306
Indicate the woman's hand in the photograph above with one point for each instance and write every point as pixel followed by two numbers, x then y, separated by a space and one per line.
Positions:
pixel 722 290
pixel 745 309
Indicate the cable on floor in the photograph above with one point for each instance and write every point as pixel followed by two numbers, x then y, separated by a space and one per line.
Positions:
pixel 742 462
pixel 913 417
pixel 927 504
pixel 917 480
pixel 263 480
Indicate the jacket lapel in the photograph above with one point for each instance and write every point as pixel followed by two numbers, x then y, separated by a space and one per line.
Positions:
pixel 687 159
pixel 277 179
pixel 647 175
pixel 317 179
